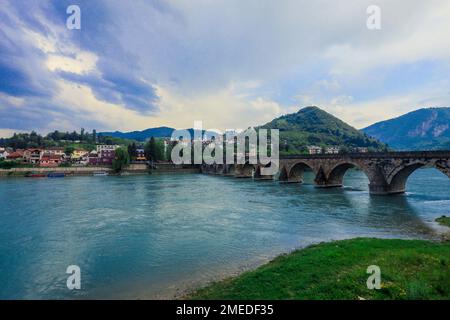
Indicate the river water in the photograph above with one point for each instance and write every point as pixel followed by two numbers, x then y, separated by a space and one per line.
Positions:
pixel 155 236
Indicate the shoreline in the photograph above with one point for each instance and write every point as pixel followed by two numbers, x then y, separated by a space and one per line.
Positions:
pixel 185 291
pixel 132 169
pixel 235 286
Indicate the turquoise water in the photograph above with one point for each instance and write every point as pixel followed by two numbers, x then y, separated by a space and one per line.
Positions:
pixel 155 236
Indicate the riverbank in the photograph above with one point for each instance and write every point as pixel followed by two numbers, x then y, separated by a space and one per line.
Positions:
pixel 132 169
pixel 410 269
pixel 22 172
pixel 443 220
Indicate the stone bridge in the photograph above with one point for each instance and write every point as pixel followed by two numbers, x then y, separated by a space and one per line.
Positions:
pixel 387 171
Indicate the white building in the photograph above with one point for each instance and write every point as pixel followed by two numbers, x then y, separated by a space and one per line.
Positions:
pixel 361 149
pixel 314 150
pixel 106 147
pixel 3 153
pixel 332 150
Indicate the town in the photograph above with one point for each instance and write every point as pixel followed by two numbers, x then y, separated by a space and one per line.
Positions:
pixel 104 154
pixel 91 149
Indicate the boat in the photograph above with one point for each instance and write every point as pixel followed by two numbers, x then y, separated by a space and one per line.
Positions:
pixel 35 175
pixel 100 173
pixel 56 175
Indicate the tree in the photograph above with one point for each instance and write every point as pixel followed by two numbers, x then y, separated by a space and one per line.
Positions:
pixel 121 160
pixel 69 150
pixel 149 149
pixel 154 150
pixel 132 150
pixel 159 150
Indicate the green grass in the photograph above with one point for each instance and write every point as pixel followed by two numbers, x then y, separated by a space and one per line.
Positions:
pixel 410 269
pixel 443 220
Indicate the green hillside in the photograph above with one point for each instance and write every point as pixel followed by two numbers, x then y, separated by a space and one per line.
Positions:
pixel 313 126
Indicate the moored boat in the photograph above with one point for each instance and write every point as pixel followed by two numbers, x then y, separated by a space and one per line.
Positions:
pixel 35 175
pixel 56 175
pixel 100 173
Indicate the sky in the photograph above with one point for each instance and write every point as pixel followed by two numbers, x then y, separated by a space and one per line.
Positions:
pixel 229 63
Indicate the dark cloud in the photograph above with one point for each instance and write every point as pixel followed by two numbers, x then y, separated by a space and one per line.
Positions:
pixel 22 66
pixel 118 89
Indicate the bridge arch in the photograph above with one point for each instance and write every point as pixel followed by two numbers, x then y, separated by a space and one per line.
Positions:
pixel 398 180
pixel 336 174
pixel 297 170
pixel 399 177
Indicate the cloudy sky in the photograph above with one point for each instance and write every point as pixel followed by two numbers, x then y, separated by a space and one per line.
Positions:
pixel 230 63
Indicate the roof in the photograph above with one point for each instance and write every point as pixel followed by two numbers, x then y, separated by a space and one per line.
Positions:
pixel 15 154
pixel 50 157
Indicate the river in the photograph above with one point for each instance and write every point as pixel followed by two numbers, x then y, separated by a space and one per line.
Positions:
pixel 155 236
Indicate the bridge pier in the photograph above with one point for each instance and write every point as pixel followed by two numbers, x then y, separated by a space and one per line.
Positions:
pixel 292 180
pixel 259 177
pixel 383 190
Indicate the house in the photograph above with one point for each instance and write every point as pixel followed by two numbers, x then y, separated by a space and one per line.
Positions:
pixel 3 153
pixel 54 151
pixel 361 149
pixel 15 156
pixel 106 147
pixel 140 155
pixel 93 158
pixel 50 161
pixel 314 150
pixel 81 161
pixel 104 157
pixel 332 150
pixel 33 156
pixel 79 153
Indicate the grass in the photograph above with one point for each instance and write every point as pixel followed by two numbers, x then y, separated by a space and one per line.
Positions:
pixel 410 269
pixel 443 220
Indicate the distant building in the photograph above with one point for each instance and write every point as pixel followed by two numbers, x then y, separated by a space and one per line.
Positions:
pixel 106 147
pixel 15 155
pixel 54 151
pixel 81 161
pixel 314 150
pixel 361 149
pixel 50 161
pixel 332 150
pixel 103 156
pixel 140 155
pixel 3 153
pixel 33 156
pixel 79 153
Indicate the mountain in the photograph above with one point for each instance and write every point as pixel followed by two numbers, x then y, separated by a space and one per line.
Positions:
pixel 423 129
pixel 159 132
pixel 313 126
